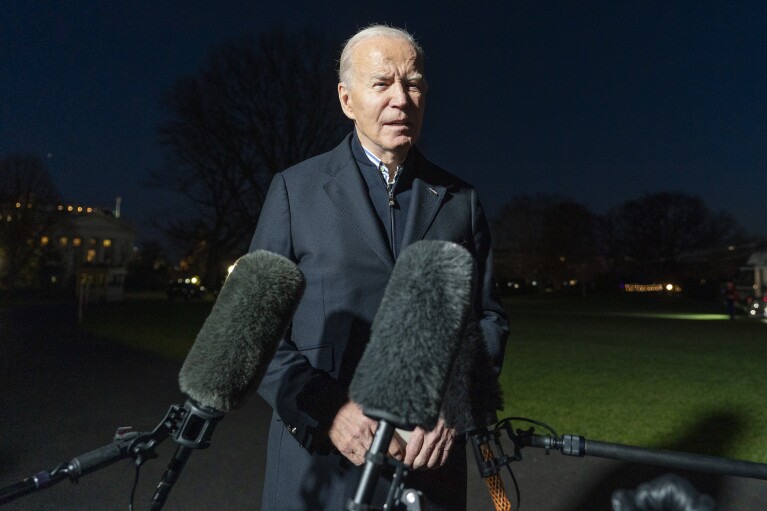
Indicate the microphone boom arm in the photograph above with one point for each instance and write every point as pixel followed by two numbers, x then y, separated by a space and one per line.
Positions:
pixel 91 461
pixel 574 445
pixel 190 424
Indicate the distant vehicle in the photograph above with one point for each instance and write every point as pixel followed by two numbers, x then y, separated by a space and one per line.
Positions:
pixel 184 289
pixel 756 308
pixel 752 286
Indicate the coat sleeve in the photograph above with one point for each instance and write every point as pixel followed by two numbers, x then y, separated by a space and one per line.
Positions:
pixel 492 317
pixel 305 398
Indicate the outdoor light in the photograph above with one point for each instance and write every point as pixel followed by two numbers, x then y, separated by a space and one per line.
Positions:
pixel 651 288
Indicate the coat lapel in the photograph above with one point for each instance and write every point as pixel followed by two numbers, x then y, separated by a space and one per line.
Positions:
pixel 348 193
pixel 427 198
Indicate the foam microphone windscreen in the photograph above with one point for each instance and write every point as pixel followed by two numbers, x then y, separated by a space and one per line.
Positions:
pixel 415 335
pixel 239 338
pixel 473 393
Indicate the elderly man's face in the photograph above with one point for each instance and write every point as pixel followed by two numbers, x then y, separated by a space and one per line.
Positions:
pixel 386 98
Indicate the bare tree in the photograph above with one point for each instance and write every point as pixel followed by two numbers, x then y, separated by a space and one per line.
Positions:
pixel 654 235
pixel 256 107
pixel 517 237
pixel 547 238
pixel 27 200
pixel 570 240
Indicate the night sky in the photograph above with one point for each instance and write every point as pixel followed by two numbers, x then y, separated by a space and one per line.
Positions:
pixel 596 101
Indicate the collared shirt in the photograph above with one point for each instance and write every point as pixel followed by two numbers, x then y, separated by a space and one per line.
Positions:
pixel 392 214
pixel 381 166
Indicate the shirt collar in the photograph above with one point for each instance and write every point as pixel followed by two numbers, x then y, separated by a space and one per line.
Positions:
pixel 376 161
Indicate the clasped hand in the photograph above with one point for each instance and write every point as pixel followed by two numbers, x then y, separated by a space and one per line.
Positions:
pixel 352 433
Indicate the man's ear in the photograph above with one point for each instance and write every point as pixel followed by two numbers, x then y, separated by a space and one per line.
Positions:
pixel 346 101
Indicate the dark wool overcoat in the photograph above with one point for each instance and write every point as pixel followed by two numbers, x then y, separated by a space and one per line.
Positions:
pixel 320 214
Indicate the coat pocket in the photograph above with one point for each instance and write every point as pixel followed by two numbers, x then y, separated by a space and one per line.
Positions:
pixel 320 356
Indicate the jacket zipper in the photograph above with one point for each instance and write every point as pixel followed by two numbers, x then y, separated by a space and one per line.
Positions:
pixel 392 205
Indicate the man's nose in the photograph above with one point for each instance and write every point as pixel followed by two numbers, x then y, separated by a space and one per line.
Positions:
pixel 399 97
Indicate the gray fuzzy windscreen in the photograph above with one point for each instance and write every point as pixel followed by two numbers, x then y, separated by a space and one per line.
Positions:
pixel 415 335
pixel 239 337
pixel 473 393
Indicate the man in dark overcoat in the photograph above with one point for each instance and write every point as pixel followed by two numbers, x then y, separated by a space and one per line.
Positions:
pixel 344 217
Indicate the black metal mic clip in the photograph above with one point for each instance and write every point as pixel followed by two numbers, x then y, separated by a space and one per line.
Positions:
pixel 489 452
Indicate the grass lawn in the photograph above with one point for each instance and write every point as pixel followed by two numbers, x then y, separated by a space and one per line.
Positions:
pixel 658 372
pixel 149 322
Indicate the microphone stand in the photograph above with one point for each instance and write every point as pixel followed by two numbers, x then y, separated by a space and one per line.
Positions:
pixel 194 430
pixel 189 424
pixel 376 460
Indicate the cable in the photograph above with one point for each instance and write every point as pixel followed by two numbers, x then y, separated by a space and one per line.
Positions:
pixel 133 490
pixel 545 426
pixel 502 424
pixel 516 488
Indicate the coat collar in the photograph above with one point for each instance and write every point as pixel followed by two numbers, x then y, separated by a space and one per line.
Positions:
pixel 348 192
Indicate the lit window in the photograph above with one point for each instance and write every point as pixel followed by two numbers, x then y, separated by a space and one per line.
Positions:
pixel 44 240
pixel 79 209
pixel 77 242
pixel 107 243
pixel 90 256
pixel 63 241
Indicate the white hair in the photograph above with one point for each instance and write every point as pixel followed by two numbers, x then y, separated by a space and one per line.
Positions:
pixel 345 72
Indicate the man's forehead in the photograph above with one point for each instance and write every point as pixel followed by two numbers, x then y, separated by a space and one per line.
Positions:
pixel 385 52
